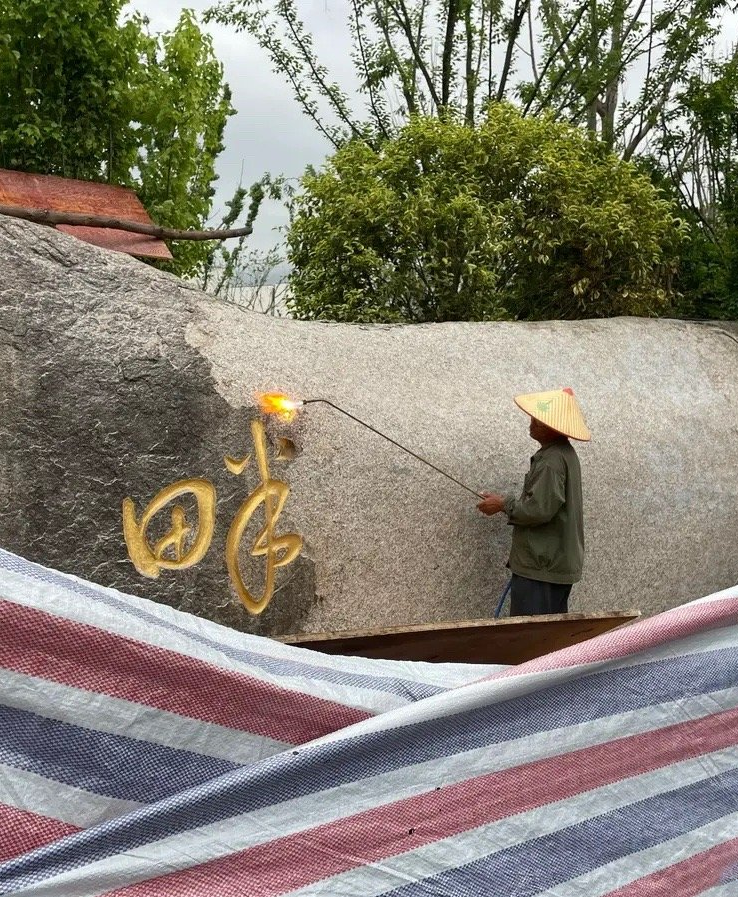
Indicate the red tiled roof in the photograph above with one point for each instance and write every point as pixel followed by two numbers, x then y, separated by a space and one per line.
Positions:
pixel 42 191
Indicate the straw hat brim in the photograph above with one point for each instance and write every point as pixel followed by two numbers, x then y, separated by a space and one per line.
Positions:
pixel 564 417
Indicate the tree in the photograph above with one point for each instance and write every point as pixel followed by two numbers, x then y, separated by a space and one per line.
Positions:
pixel 181 106
pixel 592 49
pixel 444 58
pixel 64 106
pixel 87 96
pixel 452 59
pixel 700 149
pixel 518 218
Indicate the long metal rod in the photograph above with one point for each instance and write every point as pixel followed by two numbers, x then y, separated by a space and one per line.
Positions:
pixel 395 443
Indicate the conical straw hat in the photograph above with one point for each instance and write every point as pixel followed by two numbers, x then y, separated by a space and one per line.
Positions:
pixel 557 409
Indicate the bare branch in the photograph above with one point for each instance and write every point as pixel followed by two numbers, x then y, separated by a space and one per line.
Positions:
pixel 403 19
pixel 532 43
pixel 448 50
pixel 46 216
pixel 471 84
pixel 373 101
pixel 549 62
pixel 517 21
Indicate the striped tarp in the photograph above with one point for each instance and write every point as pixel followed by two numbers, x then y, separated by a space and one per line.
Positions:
pixel 147 752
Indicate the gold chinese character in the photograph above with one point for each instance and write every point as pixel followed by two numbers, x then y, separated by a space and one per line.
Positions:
pixel 278 550
pixel 150 559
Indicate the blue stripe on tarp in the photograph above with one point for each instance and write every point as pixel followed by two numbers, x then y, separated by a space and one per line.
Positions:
pixel 539 865
pixel 308 770
pixel 404 688
pixel 113 765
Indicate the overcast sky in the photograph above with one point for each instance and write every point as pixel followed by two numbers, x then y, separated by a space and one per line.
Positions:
pixel 269 132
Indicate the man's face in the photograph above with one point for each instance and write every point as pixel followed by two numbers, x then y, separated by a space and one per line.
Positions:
pixel 541 433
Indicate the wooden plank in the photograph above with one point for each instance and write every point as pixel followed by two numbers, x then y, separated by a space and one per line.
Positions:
pixel 508 641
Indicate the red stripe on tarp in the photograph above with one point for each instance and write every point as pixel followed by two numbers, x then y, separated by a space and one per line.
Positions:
pixel 40 644
pixel 309 856
pixel 22 831
pixel 716 866
pixel 647 634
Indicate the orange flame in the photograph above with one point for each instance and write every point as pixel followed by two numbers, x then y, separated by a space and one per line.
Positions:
pixel 278 403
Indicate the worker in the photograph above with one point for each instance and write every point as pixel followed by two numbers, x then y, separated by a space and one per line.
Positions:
pixel 548 537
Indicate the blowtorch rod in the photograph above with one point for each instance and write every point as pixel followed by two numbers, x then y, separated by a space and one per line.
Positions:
pixel 394 442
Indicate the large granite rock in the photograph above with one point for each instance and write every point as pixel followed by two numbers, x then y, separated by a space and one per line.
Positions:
pixel 119 380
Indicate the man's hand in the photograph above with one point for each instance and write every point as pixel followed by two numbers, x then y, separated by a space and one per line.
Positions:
pixel 491 504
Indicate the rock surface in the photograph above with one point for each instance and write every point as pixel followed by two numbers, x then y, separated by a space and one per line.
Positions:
pixel 119 380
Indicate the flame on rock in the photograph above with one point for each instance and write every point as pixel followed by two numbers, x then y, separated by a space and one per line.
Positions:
pixel 278 403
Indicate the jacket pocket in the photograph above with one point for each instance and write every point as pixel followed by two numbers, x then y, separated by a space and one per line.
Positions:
pixel 533 548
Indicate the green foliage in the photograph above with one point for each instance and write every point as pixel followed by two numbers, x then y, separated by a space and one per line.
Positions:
pixel 700 148
pixel 182 107
pixel 228 269
pixel 64 105
pixel 630 74
pixel 708 275
pixel 86 96
pixel 518 218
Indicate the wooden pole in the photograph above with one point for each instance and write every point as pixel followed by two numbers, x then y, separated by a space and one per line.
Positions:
pixel 77 219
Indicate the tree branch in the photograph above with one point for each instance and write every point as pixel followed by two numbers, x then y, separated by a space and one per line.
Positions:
pixel 680 59
pixel 551 59
pixel 408 89
pixel 76 219
pixel 677 174
pixel 471 81
pixel 480 45
pixel 652 116
pixel 532 43
pixel 284 64
pixel 373 101
pixel 403 18
pixel 517 22
pixel 318 71
pixel 448 49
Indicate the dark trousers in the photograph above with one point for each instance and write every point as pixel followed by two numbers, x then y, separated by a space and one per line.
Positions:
pixel 529 597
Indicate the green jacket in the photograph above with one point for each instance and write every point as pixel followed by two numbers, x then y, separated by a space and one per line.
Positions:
pixel 548 532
